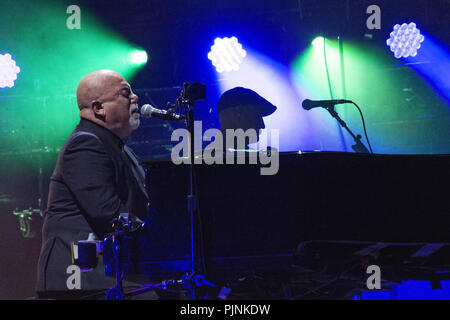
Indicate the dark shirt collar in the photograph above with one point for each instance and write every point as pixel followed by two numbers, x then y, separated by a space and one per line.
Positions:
pixel 102 132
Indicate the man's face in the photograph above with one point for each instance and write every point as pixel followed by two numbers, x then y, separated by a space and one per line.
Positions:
pixel 245 117
pixel 251 118
pixel 241 117
pixel 121 109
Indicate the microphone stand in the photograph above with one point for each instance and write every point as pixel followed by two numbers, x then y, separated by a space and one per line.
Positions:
pixel 193 280
pixel 122 227
pixel 358 147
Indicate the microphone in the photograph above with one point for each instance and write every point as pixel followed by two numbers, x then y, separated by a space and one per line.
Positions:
pixel 309 104
pixel 148 111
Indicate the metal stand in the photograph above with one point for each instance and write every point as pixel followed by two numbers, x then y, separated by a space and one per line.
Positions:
pixel 358 147
pixel 195 279
pixel 122 227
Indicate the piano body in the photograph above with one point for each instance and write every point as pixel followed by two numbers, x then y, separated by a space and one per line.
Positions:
pixel 322 211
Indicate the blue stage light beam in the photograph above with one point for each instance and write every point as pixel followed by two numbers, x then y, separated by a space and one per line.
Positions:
pixel 431 64
pixel 8 71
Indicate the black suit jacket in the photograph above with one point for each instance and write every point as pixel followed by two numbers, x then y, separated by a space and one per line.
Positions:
pixel 93 182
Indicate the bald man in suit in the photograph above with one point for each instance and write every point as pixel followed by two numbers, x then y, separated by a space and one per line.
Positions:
pixel 96 178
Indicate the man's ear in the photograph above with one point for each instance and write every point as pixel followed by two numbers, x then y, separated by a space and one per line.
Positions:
pixel 98 109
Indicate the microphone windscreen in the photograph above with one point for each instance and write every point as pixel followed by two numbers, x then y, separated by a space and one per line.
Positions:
pixel 306 104
pixel 147 110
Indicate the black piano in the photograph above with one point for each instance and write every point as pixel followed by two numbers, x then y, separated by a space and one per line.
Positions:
pixel 329 211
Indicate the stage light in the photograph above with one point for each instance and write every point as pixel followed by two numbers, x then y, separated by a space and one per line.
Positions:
pixel 226 54
pixel 405 40
pixel 8 71
pixel 318 42
pixel 138 57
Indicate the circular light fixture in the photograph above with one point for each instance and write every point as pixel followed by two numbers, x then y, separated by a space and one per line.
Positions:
pixel 405 40
pixel 226 54
pixel 8 71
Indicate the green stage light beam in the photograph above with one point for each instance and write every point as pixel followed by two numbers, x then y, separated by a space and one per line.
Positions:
pixel 372 80
pixel 42 111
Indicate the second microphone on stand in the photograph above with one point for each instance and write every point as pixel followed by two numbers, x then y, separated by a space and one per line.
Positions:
pixel 309 104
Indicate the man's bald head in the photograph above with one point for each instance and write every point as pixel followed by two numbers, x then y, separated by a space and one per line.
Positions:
pixel 96 84
pixel 106 98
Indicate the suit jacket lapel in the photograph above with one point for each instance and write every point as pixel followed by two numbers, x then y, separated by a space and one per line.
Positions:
pixel 137 170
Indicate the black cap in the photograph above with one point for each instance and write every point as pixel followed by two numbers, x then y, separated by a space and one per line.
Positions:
pixel 240 96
